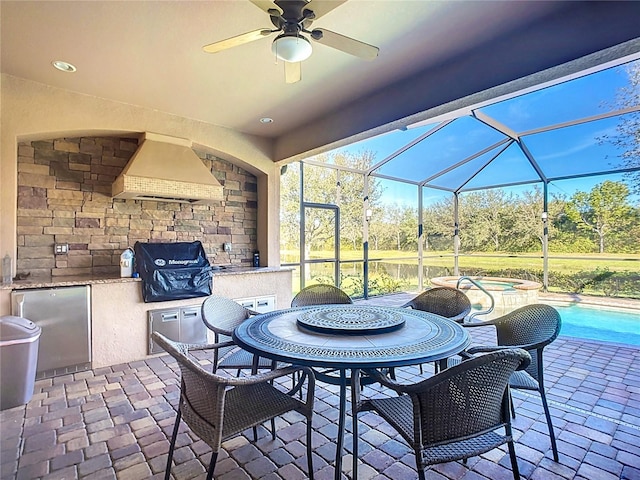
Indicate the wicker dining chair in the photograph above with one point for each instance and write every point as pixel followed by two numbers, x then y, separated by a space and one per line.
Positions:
pixel 222 315
pixel 447 302
pixel 453 415
pixel 532 328
pixel 320 294
pixel 218 407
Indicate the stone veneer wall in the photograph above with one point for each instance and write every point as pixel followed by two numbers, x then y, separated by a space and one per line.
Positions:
pixel 64 196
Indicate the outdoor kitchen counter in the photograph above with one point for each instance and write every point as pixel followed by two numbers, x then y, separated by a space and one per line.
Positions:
pixel 119 316
pixel 67 281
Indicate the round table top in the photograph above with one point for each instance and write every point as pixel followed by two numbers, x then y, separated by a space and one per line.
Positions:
pixel 420 337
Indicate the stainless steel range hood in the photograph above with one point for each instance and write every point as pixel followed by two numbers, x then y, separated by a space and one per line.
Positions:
pixel 166 169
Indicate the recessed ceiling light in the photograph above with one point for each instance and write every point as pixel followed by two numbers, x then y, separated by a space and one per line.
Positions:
pixel 64 66
pixel 266 120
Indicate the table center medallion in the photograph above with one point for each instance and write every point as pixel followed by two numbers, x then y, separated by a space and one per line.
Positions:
pixel 351 319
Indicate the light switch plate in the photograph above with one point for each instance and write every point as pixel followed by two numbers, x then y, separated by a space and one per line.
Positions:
pixel 61 248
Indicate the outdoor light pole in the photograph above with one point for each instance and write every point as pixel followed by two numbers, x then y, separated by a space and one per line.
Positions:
pixel 545 238
pixel 545 258
pixel 420 239
pixel 365 235
pixel 456 234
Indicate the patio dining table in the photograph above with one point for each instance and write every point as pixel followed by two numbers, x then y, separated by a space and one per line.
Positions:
pixel 348 338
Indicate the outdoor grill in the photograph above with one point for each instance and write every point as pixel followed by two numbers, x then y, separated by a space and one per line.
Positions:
pixel 172 271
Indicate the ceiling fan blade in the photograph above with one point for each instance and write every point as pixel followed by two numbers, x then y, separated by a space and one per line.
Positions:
pixel 345 44
pixel 322 7
pixel 237 40
pixel 292 72
pixel 266 5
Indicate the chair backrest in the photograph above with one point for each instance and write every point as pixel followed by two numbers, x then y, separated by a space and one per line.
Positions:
pixel 537 325
pixel 202 394
pixel 223 315
pixel 466 399
pixel 320 294
pixel 444 301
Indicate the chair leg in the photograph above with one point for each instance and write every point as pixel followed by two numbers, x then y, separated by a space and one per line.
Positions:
pixel 309 449
pixel 514 461
pixel 172 445
pixel 420 466
pixel 355 401
pixel 513 409
pixel 273 428
pixel 212 465
pixel 547 414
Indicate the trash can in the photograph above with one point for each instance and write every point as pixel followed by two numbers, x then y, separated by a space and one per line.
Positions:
pixel 19 341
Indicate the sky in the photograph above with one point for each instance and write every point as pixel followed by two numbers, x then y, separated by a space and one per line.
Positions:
pixel 566 151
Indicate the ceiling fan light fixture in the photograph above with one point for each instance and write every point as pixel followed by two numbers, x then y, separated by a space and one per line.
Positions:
pixel 291 48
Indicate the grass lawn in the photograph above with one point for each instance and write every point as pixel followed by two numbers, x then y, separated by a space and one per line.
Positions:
pixel 564 263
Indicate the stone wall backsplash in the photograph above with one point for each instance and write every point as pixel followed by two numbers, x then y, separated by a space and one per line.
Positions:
pixel 64 197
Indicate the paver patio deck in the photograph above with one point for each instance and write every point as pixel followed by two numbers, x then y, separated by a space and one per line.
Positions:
pixel 114 423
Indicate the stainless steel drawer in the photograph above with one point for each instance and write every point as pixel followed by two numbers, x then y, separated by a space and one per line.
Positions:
pixel 182 324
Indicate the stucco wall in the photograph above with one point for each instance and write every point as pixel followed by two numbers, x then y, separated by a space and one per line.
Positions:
pixel 32 111
pixel 119 322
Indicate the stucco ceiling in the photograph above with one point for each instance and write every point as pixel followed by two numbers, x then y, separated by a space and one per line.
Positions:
pixel 431 53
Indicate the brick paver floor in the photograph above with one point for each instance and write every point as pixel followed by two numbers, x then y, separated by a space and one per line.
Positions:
pixel 115 422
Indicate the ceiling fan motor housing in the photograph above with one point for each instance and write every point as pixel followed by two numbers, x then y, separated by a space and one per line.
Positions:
pixel 292 19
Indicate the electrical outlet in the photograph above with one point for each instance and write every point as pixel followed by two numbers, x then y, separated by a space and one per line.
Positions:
pixel 226 246
pixel 61 248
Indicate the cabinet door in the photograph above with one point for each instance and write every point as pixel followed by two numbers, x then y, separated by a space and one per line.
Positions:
pixel 192 328
pixel 166 322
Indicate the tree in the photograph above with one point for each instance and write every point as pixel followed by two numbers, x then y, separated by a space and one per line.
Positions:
pixel 400 222
pixel 482 219
pixel 603 210
pixel 438 225
pixel 527 222
pixel 627 136
pixel 343 188
pixel 290 212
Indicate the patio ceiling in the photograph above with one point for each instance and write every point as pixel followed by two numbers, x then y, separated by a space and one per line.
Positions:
pixel 432 54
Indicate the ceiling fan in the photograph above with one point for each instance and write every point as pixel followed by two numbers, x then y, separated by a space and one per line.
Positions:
pixel 292 19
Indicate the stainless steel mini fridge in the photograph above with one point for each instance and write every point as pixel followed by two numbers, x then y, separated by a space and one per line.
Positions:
pixel 64 314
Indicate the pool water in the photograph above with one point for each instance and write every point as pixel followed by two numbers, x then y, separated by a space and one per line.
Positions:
pixel 594 323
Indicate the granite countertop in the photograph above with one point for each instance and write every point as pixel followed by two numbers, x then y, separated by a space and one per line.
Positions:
pixel 66 281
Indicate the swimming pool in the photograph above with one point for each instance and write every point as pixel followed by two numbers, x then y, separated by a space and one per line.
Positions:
pixel 599 323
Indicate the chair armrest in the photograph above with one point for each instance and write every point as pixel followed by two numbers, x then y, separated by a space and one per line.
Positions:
pixel 269 375
pixel 403 388
pixel 410 389
pixel 192 347
pixel 466 354
pixel 494 348
pixel 481 323
pixel 277 373
pixel 381 378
